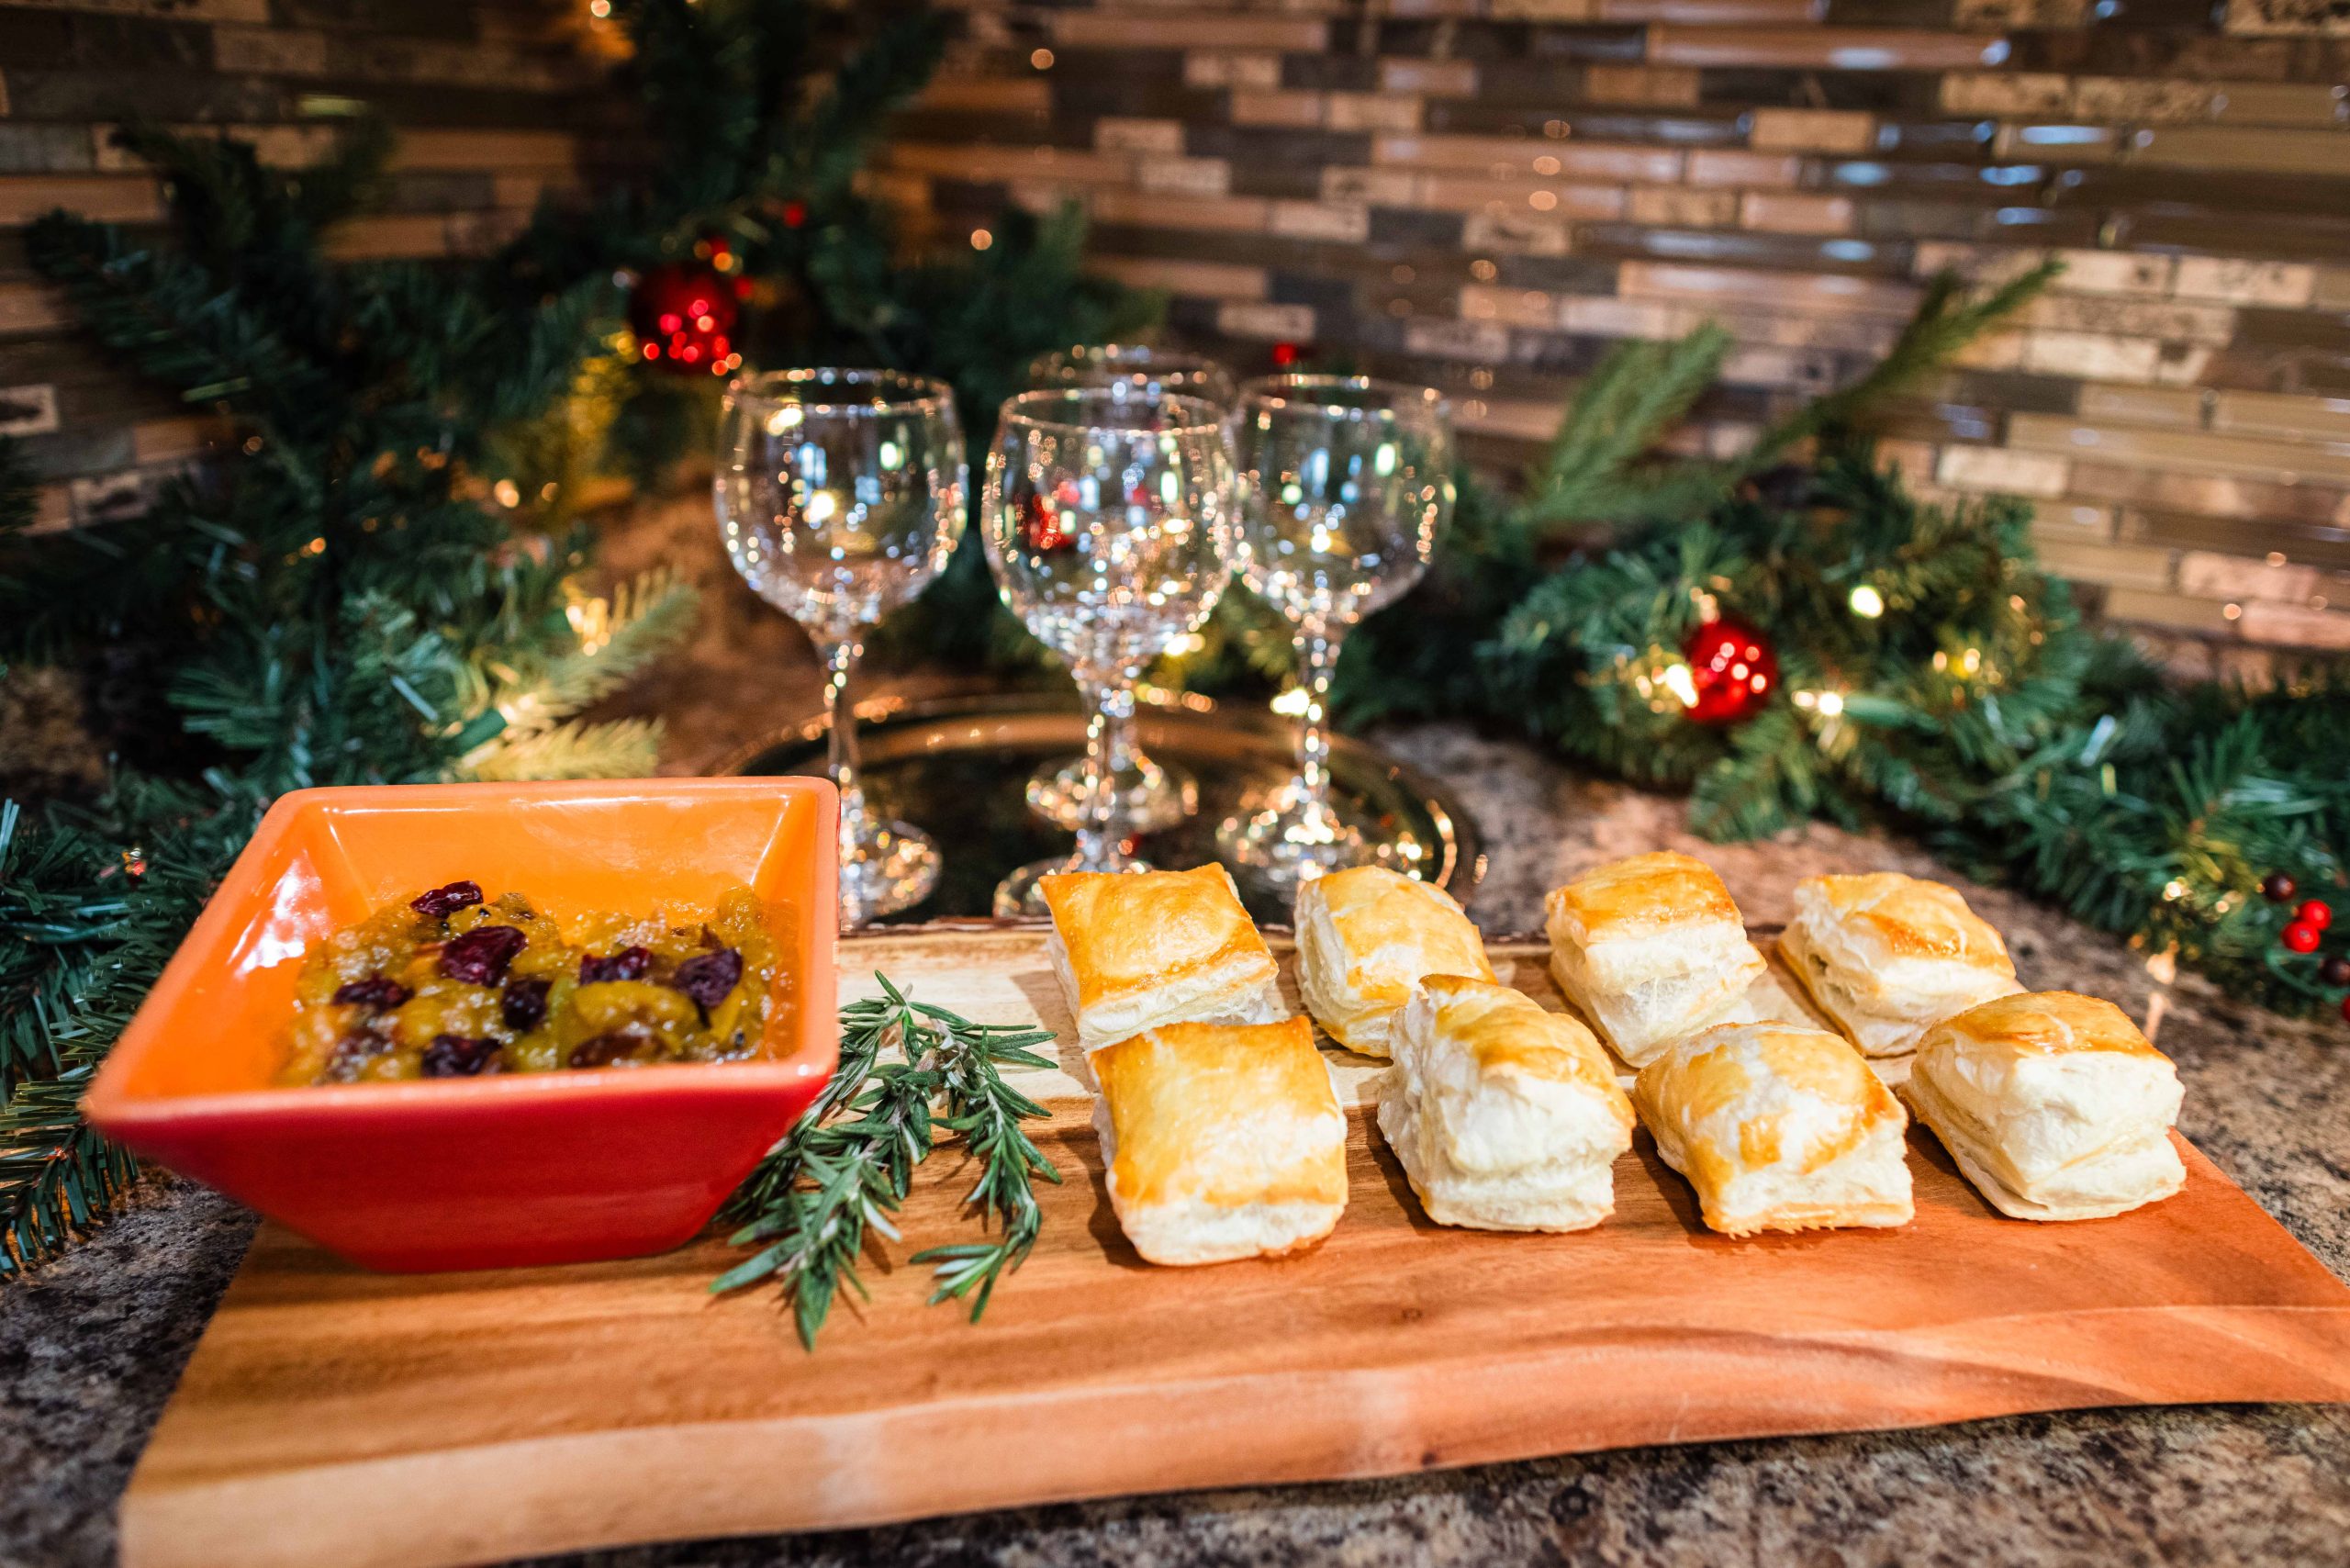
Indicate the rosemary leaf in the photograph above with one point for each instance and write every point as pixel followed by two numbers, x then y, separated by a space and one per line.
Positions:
pixel 845 1167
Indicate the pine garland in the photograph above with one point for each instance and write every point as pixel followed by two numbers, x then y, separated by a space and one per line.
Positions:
pixel 1932 678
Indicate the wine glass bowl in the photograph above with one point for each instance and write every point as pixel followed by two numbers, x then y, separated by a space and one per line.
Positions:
pixel 1133 369
pixel 1344 484
pixel 839 496
pixel 1105 518
pixel 1145 795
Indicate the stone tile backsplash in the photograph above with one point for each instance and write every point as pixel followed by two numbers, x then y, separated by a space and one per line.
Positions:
pixel 1484 194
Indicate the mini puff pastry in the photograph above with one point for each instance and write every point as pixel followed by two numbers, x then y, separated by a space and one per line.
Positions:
pixel 1221 1140
pixel 1137 949
pixel 1887 957
pixel 1652 950
pixel 1364 938
pixel 1504 1116
pixel 2053 1105
pixel 1778 1126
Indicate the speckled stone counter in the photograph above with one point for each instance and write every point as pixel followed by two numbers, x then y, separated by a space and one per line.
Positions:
pixel 89 1347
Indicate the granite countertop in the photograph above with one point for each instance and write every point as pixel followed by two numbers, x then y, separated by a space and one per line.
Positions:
pixel 90 1346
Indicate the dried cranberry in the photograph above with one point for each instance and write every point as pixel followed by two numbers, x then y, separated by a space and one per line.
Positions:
pixel 610 1047
pixel 375 993
pixel 481 955
pixel 350 1053
pixel 524 1006
pixel 446 901
pixel 708 977
pixel 453 1056
pixel 628 964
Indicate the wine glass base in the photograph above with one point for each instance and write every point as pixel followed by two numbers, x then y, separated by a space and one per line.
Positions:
pixel 1146 796
pixel 1276 839
pixel 1020 894
pixel 891 868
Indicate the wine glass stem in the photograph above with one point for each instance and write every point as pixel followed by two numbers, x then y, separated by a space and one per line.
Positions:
pixel 1317 651
pixel 1109 740
pixel 840 741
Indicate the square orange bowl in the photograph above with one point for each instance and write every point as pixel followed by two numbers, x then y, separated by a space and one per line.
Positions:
pixel 505 1169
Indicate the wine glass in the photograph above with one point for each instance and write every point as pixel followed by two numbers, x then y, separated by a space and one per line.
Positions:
pixel 1137 368
pixel 1106 518
pixel 1344 483
pixel 839 495
pixel 1147 795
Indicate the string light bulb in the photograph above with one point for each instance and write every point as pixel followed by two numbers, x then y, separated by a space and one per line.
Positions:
pixel 1866 602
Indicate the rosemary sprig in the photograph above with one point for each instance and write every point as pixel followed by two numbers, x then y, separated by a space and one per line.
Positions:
pixel 987 1112
pixel 848 1164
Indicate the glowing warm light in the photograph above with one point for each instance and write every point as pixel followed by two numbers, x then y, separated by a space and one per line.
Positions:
pixel 822 506
pixel 1830 704
pixel 784 419
pixel 509 494
pixel 1291 703
pixel 981 239
pixel 1041 59
pixel 1866 602
pixel 1678 680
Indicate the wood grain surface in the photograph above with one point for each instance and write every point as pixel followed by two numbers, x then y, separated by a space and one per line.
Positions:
pixel 335 1415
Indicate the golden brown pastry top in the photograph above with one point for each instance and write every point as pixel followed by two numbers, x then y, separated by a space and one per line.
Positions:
pixel 1704 1091
pixel 2045 1023
pixel 1911 918
pixel 1126 932
pixel 1206 1111
pixel 1507 1032
pixel 1374 908
pixel 1639 895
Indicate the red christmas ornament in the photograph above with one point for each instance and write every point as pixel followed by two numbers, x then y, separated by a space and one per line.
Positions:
pixel 2300 938
pixel 1734 670
pixel 2314 913
pixel 1284 355
pixel 1040 526
pixel 683 314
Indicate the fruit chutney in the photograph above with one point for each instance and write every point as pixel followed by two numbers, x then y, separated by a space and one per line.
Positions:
pixel 448 984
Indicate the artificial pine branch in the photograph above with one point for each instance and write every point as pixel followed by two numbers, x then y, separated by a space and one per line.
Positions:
pixel 85 926
pixel 611 748
pixel 1630 400
pixel 616 637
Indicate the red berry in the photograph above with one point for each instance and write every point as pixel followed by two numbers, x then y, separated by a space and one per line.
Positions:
pixel 2315 913
pixel 2346 1007
pixel 2334 971
pixel 2277 887
pixel 2302 938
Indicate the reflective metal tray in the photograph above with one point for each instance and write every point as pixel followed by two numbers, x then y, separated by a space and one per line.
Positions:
pixel 957 768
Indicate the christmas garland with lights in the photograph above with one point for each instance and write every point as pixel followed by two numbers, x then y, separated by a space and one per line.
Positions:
pixel 1795 639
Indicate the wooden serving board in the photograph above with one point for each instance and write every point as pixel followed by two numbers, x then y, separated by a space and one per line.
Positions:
pixel 335 1415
